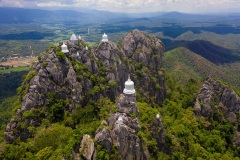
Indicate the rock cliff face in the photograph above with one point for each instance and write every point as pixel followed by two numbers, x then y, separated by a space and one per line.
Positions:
pixel 52 78
pixel 87 148
pixel 216 97
pixel 121 130
pixel 59 82
pixel 146 53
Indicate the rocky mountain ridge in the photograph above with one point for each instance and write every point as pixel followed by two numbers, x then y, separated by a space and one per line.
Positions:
pixel 60 82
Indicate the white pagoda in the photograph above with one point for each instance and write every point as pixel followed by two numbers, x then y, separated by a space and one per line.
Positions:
pixel 120 120
pixel 64 48
pixel 129 86
pixel 104 38
pixel 74 39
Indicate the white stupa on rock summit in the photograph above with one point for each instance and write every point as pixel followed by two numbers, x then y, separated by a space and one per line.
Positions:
pixel 74 39
pixel 120 120
pixel 129 86
pixel 64 48
pixel 104 38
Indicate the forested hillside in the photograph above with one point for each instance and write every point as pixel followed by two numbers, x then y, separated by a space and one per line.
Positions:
pixel 68 106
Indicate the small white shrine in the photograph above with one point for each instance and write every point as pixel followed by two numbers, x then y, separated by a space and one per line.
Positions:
pixel 86 48
pixel 129 86
pixel 64 48
pixel 120 120
pixel 79 37
pixel 77 54
pixel 104 38
pixel 74 39
pixel 157 116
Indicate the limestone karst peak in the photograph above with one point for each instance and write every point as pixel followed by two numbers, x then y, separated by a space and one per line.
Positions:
pixel 76 78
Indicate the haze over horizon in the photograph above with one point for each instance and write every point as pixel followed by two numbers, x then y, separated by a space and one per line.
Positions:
pixel 134 6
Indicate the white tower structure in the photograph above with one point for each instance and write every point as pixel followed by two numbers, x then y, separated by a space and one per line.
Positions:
pixel 157 116
pixel 77 54
pixel 129 86
pixel 120 120
pixel 74 39
pixel 104 38
pixel 64 48
pixel 86 48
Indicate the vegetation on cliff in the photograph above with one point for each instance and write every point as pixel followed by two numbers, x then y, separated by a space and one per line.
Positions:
pixel 65 97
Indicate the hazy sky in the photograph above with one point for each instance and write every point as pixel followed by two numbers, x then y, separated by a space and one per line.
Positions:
pixel 133 5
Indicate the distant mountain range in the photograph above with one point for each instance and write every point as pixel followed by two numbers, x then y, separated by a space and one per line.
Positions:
pixel 24 15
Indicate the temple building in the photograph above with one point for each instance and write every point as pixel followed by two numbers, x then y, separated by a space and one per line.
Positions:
pixel 104 38
pixel 74 39
pixel 129 86
pixel 64 48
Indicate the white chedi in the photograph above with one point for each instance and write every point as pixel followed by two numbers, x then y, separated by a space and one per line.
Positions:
pixel 104 38
pixel 129 87
pixel 157 116
pixel 64 48
pixel 120 120
pixel 73 39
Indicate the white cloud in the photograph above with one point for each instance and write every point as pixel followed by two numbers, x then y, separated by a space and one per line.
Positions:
pixel 132 5
pixel 52 4
pixel 14 3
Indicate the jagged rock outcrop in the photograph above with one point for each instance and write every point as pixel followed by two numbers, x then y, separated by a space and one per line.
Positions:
pixel 158 132
pixel 87 149
pixel 68 80
pixel 52 78
pixel 123 131
pixel 215 96
pixel 146 55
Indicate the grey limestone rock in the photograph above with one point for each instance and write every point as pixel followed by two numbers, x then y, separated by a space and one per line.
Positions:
pixel 127 104
pixel 87 148
pixel 76 79
pixel 158 132
pixel 216 96
pixel 123 131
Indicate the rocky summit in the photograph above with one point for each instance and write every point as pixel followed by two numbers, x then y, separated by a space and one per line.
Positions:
pixel 122 130
pixel 58 83
pixel 217 100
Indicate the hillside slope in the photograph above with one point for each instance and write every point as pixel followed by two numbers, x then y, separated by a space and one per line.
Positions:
pixel 182 64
